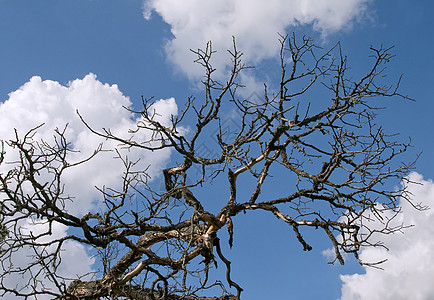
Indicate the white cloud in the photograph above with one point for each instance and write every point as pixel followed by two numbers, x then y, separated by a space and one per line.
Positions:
pixel 161 110
pixel 409 269
pixel 101 105
pixel 255 24
pixel 71 253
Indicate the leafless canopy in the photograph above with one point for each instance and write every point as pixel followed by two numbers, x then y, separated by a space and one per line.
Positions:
pixel 316 135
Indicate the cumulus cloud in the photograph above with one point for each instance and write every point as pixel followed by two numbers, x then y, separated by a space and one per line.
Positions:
pixel 255 24
pixel 55 105
pixel 69 268
pixel 409 268
pixel 101 106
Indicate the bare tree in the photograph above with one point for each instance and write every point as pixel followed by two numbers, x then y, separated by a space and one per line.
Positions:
pixel 335 162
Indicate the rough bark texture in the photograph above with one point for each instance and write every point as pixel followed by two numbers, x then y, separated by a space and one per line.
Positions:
pixel 334 163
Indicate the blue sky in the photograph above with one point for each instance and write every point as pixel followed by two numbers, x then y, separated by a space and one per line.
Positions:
pixel 142 47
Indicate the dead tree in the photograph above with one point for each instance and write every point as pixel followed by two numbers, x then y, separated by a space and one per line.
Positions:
pixel 317 134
